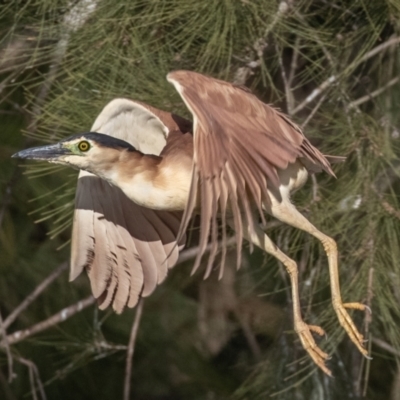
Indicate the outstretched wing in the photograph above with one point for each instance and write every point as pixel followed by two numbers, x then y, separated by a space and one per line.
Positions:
pixel 239 144
pixel 126 249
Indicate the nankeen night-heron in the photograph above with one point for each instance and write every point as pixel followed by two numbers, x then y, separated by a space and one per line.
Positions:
pixel 241 159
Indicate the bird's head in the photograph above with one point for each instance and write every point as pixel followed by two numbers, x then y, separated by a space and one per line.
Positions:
pixel 92 152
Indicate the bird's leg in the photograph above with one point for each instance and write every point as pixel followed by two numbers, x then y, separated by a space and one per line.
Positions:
pixel 286 212
pixel 260 239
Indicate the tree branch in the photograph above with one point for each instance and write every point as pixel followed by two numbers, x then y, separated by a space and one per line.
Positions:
pixel 7 350
pixel 72 21
pixel 55 319
pixel 313 111
pixel 373 94
pixel 131 349
pixel 285 79
pixel 259 46
pixel 386 346
pixel 315 93
pixel 334 78
pixel 38 290
pixel 33 376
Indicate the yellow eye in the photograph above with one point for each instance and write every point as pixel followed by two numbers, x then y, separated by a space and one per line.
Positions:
pixel 84 145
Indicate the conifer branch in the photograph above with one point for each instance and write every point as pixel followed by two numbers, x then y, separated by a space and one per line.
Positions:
pixel 37 291
pixel 55 319
pixel 3 334
pixel 259 46
pixel 373 94
pixel 334 78
pixel 131 349
pixel 34 377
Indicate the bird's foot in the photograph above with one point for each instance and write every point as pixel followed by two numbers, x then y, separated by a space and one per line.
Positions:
pixel 345 320
pixel 319 357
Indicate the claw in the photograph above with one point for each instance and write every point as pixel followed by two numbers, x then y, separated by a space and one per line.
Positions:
pixel 309 345
pixel 347 323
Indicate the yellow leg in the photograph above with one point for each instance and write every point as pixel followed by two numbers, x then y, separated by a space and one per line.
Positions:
pixel 286 212
pixel 260 239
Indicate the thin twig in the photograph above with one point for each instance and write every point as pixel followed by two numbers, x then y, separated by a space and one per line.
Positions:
pixel 385 205
pixel 378 49
pixel 342 93
pixel 288 91
pixel 32 381
pixel 38 290
pixel 259 46
pixel 315 197
pixel 304 258
pixel 395 386
pixel 293 63
pixel 283 8
pixel 368 321
pixel 7 349
pixel 315 93
pixel 314 110
pixel 9 395
pixel 55 319
pixel 107 346
pixel 332 64
pixel 345 10
pixel 373 94
pixel 74 19
pixel 334 78
pixel 316 38
pixel 131 349
pixel 385 178
pixel 250 336
pixel 389 208
pixel 33 375
pixel 367 367
pixel 370 295
pixel 386 346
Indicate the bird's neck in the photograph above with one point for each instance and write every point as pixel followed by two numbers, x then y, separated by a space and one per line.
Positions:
pixel 155 182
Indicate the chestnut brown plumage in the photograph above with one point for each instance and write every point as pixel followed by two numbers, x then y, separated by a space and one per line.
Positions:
pixel 242 159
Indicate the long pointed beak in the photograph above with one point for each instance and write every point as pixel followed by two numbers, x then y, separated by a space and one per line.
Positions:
pixel 49 152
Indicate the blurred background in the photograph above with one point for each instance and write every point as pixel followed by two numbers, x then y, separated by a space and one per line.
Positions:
pixel 333 66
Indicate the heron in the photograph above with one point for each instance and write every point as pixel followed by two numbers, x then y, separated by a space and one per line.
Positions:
pixel 144 173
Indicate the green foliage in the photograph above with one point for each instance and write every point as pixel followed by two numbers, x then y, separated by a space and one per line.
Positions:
pixel 333 66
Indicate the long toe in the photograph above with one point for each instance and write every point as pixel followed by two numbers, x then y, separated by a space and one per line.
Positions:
pixel 357 306
pixel 347 323
pixel 308 342
pixel 317 329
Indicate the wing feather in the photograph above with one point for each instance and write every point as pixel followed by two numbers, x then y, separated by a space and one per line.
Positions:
pixel 240 143
pixel 82 246
pixel 125 247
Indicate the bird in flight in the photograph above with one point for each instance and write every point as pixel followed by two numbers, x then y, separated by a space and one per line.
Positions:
pixel 239 160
